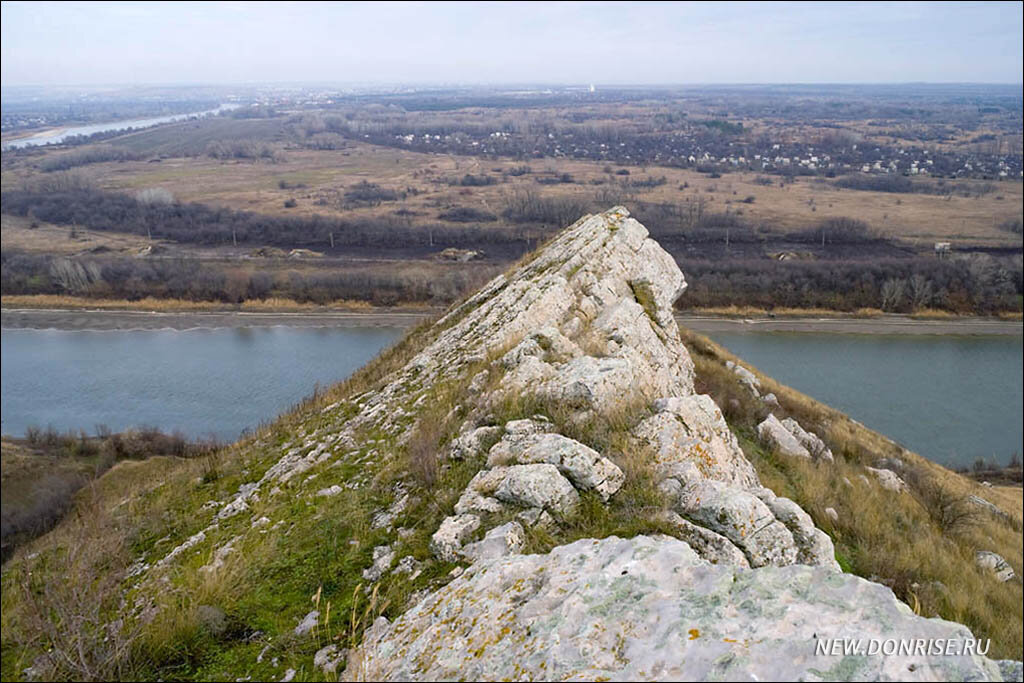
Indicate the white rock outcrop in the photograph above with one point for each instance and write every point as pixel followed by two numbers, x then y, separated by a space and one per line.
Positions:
pixel 650 609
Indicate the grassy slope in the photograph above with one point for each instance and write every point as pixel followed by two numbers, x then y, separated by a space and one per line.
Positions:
pixel 61 592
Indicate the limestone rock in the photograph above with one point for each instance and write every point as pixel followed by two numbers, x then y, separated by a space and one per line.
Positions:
pixel 307 624
pixel 994 563
pixel 447 541
pixel 813 545
pixel 383 557
pixel 328 658
pixel 583 466
pixel 650 609
pixel 812 442
pixel 775 433
pixel 742 518
pixel 506 539
pixel 478 497
pixel 746 377
pixel 537 486
pixel 888 479
pixel 692 428
pixel 471 444
pixel 712 547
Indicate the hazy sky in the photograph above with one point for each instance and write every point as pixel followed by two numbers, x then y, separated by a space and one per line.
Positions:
pixel 613 43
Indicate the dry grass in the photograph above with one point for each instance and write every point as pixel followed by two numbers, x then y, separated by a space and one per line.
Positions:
pixel 17 233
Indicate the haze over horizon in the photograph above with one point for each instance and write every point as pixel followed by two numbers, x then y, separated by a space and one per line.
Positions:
pixel 104 43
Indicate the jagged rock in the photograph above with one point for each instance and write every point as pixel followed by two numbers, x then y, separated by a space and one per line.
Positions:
pixel 775 433
pixel 994 563
pixel 386 518
pixel 330 491
pixel 537 486
pixel 813 545
pixel 478 497
pixel 713 547
pixel 692 428
pixel 383 556
pixel 506 539
pixel 328 658
pixel 536 517
pixel 308 623
pixel 770 400
pixel 986 505
pixel 888 479
pixel 812 442
pixel 471 444
pixel 583 466
pixel 289 676
pixel 651 609
pixel 447 541
pixel 407 565
pixel 746 377
pixel 742 518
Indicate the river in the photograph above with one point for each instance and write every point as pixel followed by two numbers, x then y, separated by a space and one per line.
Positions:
pixel 60 134
pixel 950 398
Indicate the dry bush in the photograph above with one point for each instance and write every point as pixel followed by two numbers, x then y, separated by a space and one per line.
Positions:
pixel 71 608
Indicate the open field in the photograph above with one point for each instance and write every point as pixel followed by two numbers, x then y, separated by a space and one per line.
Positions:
pixel 18 234
pixel 818 198
pixel 316 181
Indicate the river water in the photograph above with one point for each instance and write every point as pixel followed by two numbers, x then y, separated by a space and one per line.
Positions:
pixel 61 134
pixel 202 381
pixel 950 398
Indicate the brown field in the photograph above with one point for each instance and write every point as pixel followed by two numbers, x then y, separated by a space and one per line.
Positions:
pixel 918 219
pixel 18 234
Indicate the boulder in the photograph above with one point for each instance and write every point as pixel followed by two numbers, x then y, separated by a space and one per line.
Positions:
pixel 447 541
pixel 746 377
pixel 774 433
pixel 693 429
pixel 995 564
pixel 539 485
pixel 740 517
pixel 506 539
pixel 888 479
pixel 583 466
pixel 810 441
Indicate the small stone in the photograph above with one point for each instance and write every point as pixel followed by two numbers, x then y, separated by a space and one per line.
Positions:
pixel 308 623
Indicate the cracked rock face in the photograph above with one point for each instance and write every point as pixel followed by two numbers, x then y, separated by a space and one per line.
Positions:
pixel 650 609
pixel 601 338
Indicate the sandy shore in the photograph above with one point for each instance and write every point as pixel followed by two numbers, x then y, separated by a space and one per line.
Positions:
pixel 84 319
pixel 77 319
pixel 889 324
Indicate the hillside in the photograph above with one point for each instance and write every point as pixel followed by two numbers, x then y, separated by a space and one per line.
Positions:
pixel 550 481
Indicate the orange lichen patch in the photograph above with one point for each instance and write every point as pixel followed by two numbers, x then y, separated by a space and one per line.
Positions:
pixel 694 634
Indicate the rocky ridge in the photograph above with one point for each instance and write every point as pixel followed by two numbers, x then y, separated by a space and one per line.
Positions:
pixel 585 328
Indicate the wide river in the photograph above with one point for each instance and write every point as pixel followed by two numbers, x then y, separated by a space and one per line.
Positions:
pixel 61 134
pixel 951 398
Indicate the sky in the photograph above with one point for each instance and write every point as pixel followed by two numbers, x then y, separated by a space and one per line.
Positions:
pixel 93 43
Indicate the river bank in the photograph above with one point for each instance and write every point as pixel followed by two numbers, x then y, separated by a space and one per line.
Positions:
pixel 102 319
